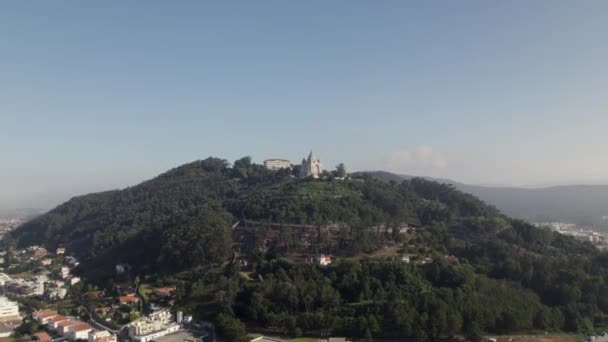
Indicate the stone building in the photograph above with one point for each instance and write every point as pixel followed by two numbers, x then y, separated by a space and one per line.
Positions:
pixel 277 164
pixel 311 166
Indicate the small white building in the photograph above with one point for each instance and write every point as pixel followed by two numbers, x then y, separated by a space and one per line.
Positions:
pixel 101 336
pixel 9 310
pixel 277 164
pixel 79 331
pixel 74 280
pixel 324 259
pixel 142 331
pixel 157 324
pixel 65 272
pixel 122 268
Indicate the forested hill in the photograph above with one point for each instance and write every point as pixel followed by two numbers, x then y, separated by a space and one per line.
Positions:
pixel 580 204
pixel 183 216
pixel 473 269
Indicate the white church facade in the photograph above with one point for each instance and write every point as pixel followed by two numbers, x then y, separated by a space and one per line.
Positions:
pixel 311 167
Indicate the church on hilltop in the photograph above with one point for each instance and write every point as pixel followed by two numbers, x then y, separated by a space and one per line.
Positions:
pixel 311 167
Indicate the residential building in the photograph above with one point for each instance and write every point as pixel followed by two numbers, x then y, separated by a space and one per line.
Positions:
pixel 73 281
pixel 122 268
pixel 44 316
pixel 157 324
pixel 9 310
pixel 53 323
pixel 277 164
pixel 60 250
pixel 46 262
pixel 4 278
pixel 142 331
pixel 101 336
pixel 164 291
pixel 6 328
pixel 63 328
pixel 42 337
pixel 38 252
pixel 311 167
pixel 79 331
pixel 128 299
pixel 324 259
pixel 65 272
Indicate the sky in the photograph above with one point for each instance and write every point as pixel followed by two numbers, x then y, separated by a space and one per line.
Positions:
pixel 103 95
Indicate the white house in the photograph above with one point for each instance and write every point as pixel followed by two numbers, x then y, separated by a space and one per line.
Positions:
pixel 9 310
pixel 101 336
pixel 156 334
pixel 74 281
pixel 43 316
pixel 324 259
pixel 79 331
pixel 65 272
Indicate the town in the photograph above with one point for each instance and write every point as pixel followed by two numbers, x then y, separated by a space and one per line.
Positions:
pixel 43 301
pixel 8 224
pixel 598 239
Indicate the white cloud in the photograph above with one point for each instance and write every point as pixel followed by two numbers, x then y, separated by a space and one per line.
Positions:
pixel 422 158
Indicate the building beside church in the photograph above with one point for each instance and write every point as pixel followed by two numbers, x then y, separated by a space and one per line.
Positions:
pixel 311 167
pixel 277 164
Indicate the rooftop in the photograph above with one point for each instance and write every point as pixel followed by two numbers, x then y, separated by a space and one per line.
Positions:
pixel 42 336
pixel 81 326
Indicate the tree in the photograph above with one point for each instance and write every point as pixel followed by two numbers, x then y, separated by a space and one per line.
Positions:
pixel 231 328
pixel 340 170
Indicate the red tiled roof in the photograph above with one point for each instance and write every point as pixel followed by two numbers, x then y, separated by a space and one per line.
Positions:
pixel 164 291
pixel 104 338
pixel 44 313
pixel 81 326
pixel 128 298
pixel 67 323
pixel 42 336
pixel 57 318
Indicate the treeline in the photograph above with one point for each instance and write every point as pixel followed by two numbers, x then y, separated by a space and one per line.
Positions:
pixel 389 300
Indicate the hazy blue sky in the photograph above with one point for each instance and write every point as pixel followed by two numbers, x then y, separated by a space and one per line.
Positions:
pixel 100 95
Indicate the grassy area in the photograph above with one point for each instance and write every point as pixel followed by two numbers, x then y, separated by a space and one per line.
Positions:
pixel 144 291
pixel 23 275
pixel 246 275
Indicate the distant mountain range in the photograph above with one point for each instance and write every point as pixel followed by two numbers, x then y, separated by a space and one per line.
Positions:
pixel 580 204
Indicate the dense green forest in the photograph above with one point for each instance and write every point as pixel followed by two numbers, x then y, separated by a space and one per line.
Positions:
pixel 504 275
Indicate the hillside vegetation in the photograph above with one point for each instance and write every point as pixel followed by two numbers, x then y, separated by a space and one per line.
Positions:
pixel 503 275
pixel 581 204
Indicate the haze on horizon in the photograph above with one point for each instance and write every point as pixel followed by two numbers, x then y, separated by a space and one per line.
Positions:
pixel 103 95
